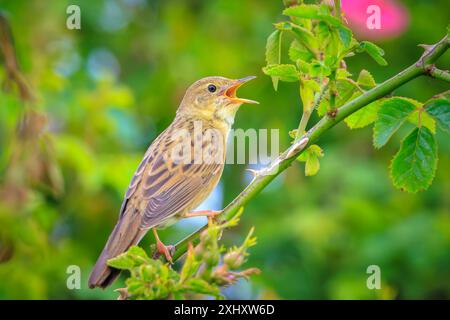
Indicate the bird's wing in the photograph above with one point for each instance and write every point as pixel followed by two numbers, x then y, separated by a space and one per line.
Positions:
pixel 171 189
pixel 164 188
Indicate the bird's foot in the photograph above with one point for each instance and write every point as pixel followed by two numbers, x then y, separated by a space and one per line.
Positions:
pixel 211 214
pixel 161 248
pixel 201 213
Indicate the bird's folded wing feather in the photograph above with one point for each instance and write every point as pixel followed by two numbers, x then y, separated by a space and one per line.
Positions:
pixel 164 188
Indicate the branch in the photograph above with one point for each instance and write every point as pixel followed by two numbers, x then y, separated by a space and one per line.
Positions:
pixel 439 74
pixel 264 177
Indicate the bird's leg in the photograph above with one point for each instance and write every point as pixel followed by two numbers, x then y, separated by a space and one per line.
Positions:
pixel 206 213
pixel 161 248
pixel 211 214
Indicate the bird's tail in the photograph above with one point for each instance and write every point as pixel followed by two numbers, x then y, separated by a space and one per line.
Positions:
pixel 124 235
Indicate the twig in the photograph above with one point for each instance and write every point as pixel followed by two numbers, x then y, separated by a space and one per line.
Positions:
pixel 439 74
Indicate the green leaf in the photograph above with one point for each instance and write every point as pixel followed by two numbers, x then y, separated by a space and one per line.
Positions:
pixel 345 34
pixel 318 69
pixel 323 32
pixel 130 259
pixel 331 20
pixel 303 35
pixel 311 158
pixel 392 114
pixel 305 11
pixel 298 52
pixel 273 52
pixel 374 51
pixel 439 109
pixel 285 72
pixel 342 74
pixel 346 88
pixel 201 286
pixel 311 11
pixel 425 120
pixel 414 166
pixel 366 80
pixel 303 67
pixel 364 116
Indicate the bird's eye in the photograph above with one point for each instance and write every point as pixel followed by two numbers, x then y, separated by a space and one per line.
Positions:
pixel 212 88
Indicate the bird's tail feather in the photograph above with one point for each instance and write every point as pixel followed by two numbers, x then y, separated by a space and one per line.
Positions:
pixel 124 235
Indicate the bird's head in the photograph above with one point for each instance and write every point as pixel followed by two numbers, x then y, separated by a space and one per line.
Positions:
pixel 214 98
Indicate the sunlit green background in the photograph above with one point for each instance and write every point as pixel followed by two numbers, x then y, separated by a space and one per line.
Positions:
pixel 108 89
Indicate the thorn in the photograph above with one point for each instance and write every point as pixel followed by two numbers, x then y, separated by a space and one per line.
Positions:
pixel 426 47
pixel 253 172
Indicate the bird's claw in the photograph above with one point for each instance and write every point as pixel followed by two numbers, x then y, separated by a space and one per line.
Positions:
pixel 167 251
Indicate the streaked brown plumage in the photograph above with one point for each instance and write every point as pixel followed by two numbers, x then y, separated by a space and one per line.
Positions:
pixel 165 187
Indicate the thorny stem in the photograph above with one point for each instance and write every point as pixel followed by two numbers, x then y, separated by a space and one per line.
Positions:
pixel 260 181
pixel 439 74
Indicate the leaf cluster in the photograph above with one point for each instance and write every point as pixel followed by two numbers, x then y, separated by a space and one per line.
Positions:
pixel 207 267
pixel 319 44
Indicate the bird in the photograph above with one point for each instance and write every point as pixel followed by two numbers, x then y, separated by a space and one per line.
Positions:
pixel 178 171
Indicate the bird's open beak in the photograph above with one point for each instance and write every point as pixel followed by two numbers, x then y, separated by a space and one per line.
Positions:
pixel 230 92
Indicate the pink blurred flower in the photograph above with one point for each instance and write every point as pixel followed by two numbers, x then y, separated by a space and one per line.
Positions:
pixel 361 16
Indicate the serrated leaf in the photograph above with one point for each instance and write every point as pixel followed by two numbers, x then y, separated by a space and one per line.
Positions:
pixel 322 31
pixel 285 72
pixel 345 34
pixel 313 85
pixel 374 51
pixel 414 166
pixel 324 105
pixel 425 120
pixel 318 69
pixel 273 52
pixel 366 80
pixel 123 262
pixel 201 286
pixel 392 114
pixel 439 109
pixel 298 52
pixel 303 66
pixel 311 11
pixel 332 50
pixel 364 116
pixel 127 260
pixel 346 88
pixel 342 74
pixel 305 11
pixel 305 36
pixel 311 158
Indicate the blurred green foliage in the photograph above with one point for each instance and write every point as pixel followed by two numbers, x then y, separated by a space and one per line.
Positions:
pixel 103 94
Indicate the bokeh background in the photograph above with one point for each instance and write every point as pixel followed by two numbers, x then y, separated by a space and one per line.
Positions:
pixel 103 94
